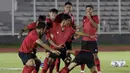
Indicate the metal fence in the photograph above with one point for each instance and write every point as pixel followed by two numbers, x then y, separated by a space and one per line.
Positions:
pixel 16 14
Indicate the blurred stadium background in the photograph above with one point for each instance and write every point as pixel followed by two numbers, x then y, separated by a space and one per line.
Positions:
pixel 114 16
pixel 113 32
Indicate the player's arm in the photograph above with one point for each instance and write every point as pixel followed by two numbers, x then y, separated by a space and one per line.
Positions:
pixel 53 43
pixel 39 42
pixel 92 21
pixel 80 26
pixel 84 34
pixel 22 31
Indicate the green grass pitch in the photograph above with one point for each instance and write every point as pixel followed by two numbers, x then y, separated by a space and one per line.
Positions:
pixel 11 60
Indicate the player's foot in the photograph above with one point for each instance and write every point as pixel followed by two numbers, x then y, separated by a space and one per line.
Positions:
pixel 82 72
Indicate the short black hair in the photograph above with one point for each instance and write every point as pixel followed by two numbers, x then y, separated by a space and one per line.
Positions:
pixel 65 17
pixel 68 3
pixel 41 18
pixel 41 25
pixel 89 6
pixel 54 10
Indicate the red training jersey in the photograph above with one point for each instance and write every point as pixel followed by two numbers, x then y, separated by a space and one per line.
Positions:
pixel 88 27
pixel 60 36
pixel 29 43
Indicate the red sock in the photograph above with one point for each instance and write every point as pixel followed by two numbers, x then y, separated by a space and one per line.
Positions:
pixel 64 70
pixel 45 67
pixel 52 67
pixel 57 63
pixel 82 67
pixel 95 72
pixel 97 63
pixel 28 69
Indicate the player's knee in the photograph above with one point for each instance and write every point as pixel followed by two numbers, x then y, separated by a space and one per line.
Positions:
pixel 30 62
pixel 92 69
pixel 37 61
pixel 95 56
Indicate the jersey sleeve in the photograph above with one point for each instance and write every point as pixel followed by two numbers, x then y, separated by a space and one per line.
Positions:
pixel 31 26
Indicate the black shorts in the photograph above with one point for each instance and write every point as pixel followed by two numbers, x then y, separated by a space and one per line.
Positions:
pixel 62 55
pixel 90 45
pixel 69 45
pixel 84 58
pixel 26 56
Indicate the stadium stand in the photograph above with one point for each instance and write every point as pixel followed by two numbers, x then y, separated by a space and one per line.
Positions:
pixel 109 13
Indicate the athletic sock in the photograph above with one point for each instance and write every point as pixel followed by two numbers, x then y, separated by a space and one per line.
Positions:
pixel 97 63
pixel 82 67
pixel 45 67
pixel 51 67
pixel 28 69
pixel 64 70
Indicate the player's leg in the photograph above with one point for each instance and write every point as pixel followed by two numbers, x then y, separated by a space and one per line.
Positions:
pixel 69 68
pixel 29 66
pixel 47 66
pixel 28 61
pixel 82 68
pixel 96 58
pixel 64 57
pixel 93 70
pixel 90 63
pixel 51 59
pixel 57 64
pixel 38 63
pixel 51 67
pixel 69 47
pixel 46 62
pixel 97 62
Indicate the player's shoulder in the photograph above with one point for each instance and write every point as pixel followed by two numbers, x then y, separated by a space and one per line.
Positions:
pixel 33 33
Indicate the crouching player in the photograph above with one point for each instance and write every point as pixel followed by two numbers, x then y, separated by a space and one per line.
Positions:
pixel 63 32
pixel 29 44
pixel 82 57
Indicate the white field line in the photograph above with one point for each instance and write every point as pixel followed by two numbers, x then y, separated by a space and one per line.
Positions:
pixel 2 68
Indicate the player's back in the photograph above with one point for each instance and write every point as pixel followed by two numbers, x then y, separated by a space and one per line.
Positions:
pixel 29 43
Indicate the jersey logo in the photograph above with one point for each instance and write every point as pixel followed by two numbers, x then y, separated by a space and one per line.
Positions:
pixel 57 32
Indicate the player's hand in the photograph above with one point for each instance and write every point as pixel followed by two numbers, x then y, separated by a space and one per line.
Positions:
pixel 56 52
pixel 60 46
pixel 77 36
pixel 19 36
pixel 93 36
pixel 88 14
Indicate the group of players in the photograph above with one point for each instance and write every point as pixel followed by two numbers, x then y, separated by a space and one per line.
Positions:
pixel 59 30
